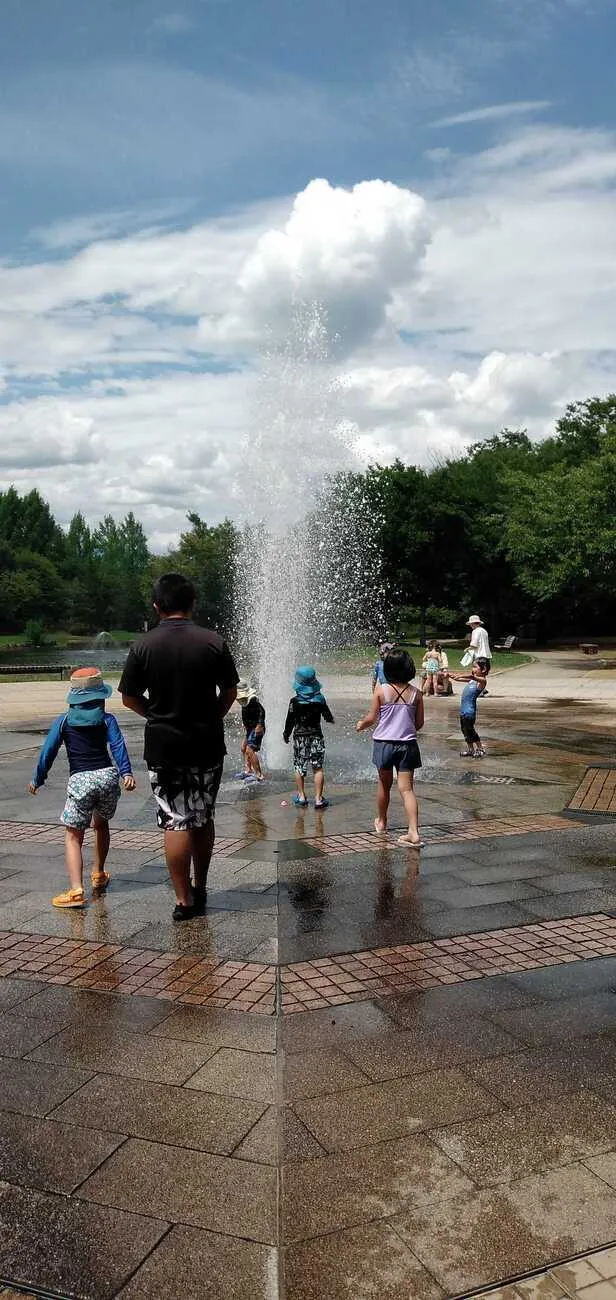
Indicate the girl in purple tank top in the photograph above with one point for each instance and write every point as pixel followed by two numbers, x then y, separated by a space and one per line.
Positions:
pixel 397 709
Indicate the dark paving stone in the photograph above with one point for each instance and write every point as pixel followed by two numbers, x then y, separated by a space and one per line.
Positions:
pixel 138 1056
pixel 216 1029
pixel 193 938
pixel 567 882
pixel 233 1073
pixel 473 895
pixel 333 1027
pixel 264 1141
pixel 428 1043
pixel 470 920
pixel 366 1261
pixel 477 997
pixel 70 1247
pixel 513 1144
pixel 562 1019
pixel 297 1142
pixel 342 1191
pixel 99 1010
pixel 309 1074
pixel 492 873
pixel 479 1239
pixel 541 1074
pixel 553 907
pixel 233 900
pixel 224 1195
pixel 338 939
pixel 53 1157
pixel 162 1113
pixel 34 1089
pixel 379 1111
pixel 13 992
pixel 18 1036
pixel 579 977
pixel 197 1265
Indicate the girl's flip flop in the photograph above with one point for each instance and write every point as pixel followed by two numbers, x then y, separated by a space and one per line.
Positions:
pixel 411 844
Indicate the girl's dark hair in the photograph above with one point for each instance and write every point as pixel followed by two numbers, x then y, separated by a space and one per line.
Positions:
pixel 398 667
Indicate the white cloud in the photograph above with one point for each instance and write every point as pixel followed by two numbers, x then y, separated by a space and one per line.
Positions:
pixel 488 301
pixel 344 249
pixel 494 112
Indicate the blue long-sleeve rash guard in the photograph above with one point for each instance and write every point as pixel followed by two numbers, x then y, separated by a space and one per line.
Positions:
pixel 87 748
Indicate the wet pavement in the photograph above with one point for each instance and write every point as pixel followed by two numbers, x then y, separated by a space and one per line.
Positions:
pixel 414 1093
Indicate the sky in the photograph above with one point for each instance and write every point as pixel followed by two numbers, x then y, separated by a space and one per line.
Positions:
pixel 440 179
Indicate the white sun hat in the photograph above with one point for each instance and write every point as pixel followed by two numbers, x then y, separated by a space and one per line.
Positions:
pixel 473 620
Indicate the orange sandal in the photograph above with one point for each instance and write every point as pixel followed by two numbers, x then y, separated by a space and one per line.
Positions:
pixel 100 880
pixel 72 898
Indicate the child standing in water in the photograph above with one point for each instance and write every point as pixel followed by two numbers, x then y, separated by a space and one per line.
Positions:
pixel 306 709
pixel 88 734
pixel 398 709
pixel 475 686
pixel 431 667
pixel 253 720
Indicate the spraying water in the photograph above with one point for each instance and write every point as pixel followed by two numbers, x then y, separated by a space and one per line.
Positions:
pixel 306 562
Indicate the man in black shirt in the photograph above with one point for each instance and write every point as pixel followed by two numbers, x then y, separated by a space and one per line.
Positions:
pixel 182 679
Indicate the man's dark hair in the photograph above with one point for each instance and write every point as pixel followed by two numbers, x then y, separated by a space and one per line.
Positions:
pixel 173 594
pixel 398 667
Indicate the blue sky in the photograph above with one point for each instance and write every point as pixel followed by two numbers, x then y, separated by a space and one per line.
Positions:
pixel 222 102
pixel 150 235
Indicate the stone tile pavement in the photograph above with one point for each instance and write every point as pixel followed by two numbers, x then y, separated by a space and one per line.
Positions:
pixel 440 1119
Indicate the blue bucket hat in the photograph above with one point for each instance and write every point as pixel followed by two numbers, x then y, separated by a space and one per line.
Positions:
pixel 307 687
pixel 86 685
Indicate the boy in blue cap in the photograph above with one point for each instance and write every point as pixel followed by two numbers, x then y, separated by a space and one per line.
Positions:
pixel 88 734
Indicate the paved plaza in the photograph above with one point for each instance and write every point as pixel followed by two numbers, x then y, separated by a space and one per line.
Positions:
pixel 361 1074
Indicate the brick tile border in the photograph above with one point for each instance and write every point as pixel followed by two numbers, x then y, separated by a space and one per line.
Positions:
pixel 571 1277
pixel 308 985
pixel 46 833
pixel 362 841
pixel 596 792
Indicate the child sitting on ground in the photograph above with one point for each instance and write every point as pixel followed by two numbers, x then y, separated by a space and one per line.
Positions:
pixel 253 721
pixel 306 709
pixel 88 733
pixel 468 710
pixel 430 668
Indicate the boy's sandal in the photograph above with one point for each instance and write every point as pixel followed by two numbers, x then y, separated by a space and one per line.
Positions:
pixel 100 879
pixel 71 898
pixel 299 803
pixel 323 803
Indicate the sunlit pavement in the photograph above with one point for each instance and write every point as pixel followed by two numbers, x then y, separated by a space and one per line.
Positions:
pixel 362 1073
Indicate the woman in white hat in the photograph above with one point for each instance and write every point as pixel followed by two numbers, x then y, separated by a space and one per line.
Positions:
pixel 480 644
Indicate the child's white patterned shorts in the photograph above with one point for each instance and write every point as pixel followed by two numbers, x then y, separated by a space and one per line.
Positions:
pixel 88 793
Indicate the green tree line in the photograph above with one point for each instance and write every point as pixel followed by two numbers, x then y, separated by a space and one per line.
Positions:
pixel 522 531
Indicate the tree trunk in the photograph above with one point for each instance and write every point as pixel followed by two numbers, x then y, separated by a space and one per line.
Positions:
pixel 422 625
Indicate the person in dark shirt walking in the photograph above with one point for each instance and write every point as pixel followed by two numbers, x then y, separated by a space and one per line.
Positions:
pixel 253 721
pixel 306 709
pixel 182 679
pixel 88 734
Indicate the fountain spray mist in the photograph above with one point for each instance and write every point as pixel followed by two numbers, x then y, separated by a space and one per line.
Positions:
pixel 307 565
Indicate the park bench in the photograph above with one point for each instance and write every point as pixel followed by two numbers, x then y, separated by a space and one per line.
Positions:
pixel 31 670
pixel 507 644
pixel 589 648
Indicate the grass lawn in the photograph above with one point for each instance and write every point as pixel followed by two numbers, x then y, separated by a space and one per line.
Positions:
pixel 60 638
pixel 361 658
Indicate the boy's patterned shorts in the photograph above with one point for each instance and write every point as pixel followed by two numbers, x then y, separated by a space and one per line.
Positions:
pixel 185 797
pixel 308 750
pixel 88 793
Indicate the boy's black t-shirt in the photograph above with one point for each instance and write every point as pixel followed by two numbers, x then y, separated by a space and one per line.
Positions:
pixel 305 719
pixel 253 714
pixel 181 667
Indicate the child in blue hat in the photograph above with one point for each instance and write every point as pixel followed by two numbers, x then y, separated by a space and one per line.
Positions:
pixel 88 734
pixel 306 709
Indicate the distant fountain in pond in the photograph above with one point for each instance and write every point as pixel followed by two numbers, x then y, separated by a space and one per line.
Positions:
pixel 307 568
pixel 105 652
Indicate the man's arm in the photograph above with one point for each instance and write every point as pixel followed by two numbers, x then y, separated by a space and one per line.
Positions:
pixel 132 685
